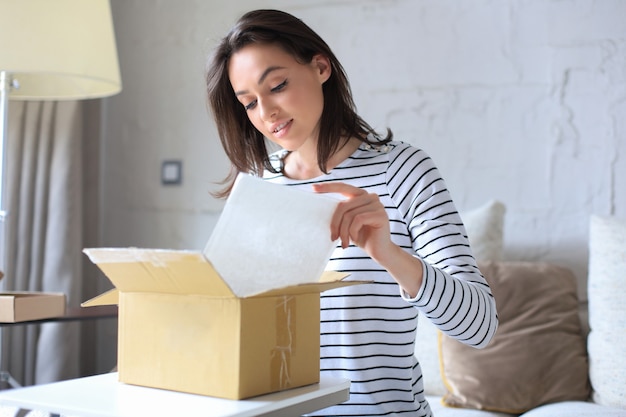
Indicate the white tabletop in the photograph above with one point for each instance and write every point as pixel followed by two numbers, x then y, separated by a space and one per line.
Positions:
pixel 104 396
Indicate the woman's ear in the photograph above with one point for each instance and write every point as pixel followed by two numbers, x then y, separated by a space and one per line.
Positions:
pixel 322 66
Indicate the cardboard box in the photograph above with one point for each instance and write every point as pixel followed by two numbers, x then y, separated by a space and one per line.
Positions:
pixel 182 328
pixel 17 306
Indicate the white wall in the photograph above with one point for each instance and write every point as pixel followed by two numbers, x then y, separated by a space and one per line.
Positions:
pixel 522 101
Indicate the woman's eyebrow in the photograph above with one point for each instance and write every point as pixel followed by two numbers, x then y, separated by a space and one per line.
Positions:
pixel 267 72
pixel 261 78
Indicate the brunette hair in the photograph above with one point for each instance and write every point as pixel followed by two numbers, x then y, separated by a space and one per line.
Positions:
pixel 244 145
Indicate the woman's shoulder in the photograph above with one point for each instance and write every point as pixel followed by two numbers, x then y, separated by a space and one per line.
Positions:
pixel 393 150
pixel 393 145
pixel 402 160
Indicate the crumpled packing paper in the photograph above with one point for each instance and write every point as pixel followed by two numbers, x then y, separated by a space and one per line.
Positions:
pixel 271 236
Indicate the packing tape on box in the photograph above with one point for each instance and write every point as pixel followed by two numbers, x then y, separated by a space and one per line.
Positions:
pixel 285 342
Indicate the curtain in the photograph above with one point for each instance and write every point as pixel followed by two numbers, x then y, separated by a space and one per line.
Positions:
pixel 45 233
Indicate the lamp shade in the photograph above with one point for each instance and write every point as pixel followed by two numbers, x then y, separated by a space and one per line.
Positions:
pixel 59 49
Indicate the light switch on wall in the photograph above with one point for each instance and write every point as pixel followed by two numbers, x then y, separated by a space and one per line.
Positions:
pixel 172 172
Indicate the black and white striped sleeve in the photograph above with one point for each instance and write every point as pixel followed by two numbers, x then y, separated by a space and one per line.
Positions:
pixel 454 294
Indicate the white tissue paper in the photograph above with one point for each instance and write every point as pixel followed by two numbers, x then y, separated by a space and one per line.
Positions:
pixel 271 236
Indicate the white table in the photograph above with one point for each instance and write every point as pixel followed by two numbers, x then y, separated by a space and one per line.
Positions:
pixel 104 396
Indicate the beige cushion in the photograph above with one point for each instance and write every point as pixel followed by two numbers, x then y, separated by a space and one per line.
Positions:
pixel 607 310
pixel 537 355
pixel 484 226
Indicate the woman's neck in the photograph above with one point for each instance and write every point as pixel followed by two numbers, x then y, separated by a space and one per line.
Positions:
pixel 302 164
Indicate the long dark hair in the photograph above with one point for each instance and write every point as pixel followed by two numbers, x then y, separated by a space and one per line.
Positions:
pixel 244 145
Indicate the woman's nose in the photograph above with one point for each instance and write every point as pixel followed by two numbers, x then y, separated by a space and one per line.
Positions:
pixel 268 109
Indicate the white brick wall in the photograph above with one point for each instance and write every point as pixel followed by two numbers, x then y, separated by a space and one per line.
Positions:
pixel 523 101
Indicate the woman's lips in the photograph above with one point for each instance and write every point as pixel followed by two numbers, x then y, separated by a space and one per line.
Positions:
pixel 282 128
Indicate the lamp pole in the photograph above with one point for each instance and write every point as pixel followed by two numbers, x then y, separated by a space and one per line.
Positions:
pixel 5 85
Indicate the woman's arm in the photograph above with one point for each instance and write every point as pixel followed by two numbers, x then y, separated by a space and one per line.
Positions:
pixel 440 276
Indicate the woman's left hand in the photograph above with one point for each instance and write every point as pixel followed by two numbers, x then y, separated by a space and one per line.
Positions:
pixel 361 218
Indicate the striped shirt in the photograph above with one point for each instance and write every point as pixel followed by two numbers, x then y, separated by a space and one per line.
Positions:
pixel 368 331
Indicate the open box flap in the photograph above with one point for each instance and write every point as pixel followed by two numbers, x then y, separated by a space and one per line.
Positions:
pixel 111 297
pixel 159 270
pixel 332 276
pixel 327 281
pixel 182 272
pixel 309 288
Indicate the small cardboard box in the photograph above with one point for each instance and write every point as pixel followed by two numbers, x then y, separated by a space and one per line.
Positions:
pixel 182 328
pixel 17 306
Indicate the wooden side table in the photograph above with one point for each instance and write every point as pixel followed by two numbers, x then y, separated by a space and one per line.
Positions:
pixel 71 314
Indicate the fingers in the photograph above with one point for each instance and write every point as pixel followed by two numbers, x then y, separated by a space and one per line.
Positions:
pixel 356 216
pixel 351 216
pixel 339 188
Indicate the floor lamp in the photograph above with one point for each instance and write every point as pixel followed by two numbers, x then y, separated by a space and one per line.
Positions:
pixel 52 50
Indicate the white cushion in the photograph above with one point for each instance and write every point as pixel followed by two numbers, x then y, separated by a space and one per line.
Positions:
pixel 484 226
pixel 607 310
pixel 427 353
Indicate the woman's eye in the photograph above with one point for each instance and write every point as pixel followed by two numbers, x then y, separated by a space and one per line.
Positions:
pixel 250 105
pixel 279 86
pixel 276 89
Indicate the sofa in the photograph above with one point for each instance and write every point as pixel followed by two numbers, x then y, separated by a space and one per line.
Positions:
pixel 555 354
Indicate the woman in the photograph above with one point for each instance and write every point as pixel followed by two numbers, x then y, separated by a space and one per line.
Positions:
pixel 273 77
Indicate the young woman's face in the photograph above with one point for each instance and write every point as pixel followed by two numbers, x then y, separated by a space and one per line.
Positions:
pixel 283 98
